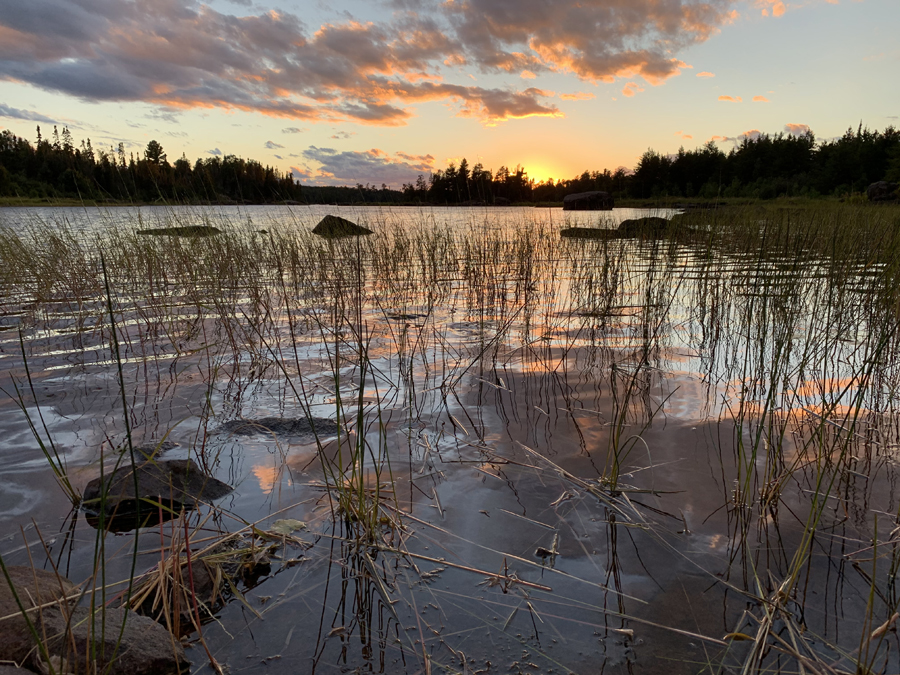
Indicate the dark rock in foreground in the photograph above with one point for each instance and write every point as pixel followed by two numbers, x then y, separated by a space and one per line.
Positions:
pixel 188 231
pixel 177 484
pixel 334 227
pixel 595 200
pixel 281 426
pixel 883 191
pixel 34 588
pixel 72 636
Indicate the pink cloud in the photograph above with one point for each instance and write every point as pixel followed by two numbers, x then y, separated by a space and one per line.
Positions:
pixel 731 99
pixel 760 99
pixel 775 7
pixel 796 129
pixel 578 96
pixel 631 89
pixel 706 73
pixel 527 75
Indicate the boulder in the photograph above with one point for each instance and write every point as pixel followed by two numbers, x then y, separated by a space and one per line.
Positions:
pixel 71 634
pixel 637 227
pixel 145 648
pixel 334 227
pixel 177 484
pixel 882 191
pixel 34 588
pixel 187 231
pixel 595 200
pixel 282 426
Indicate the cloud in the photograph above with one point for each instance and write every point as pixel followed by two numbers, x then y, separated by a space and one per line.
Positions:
pixel 684 136
pixel 760 99
pixel 796 129
pixel 578 96
pixel 214 151
pixel 706 73
pixel 631 89
pixel 369 166
pixel 184 54
pixel 773 7
pixel 16 113
pixel 343 135
pixel 731 99
pixel 293 130
pixel 597 40
pixel 271 145
pixel 752 135
pixel 527 75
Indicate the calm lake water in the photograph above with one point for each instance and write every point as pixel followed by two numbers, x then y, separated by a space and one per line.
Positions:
pixel 592 457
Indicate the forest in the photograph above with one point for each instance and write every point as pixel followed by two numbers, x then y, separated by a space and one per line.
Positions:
pixel 761 166
pixel 56 169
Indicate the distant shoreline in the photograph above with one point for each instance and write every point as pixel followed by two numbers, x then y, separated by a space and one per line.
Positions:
pixel 677 203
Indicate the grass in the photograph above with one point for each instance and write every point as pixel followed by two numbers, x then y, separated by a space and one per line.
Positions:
pixel 550 366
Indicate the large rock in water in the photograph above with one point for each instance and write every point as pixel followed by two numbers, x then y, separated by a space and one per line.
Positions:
pixel 636 227
pixel 177 484
pixel 595 200
pixel 72 635
pixel 334 227
pixel 882 191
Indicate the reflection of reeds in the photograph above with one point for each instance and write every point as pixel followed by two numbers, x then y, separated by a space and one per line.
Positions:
pixel 790 316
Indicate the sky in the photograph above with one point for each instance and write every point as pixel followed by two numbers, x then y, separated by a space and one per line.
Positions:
pixel 381 91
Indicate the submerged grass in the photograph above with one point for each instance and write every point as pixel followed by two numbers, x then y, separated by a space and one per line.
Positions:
pixel 788 319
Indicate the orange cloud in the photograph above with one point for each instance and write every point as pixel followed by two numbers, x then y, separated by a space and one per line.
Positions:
pixel 731 99
pixel 683 135
pixel 760 99
pixel 185 54
pixel 528 75
pixel 578 96
pixel 797 129
pixel 775 7
pixel 706 73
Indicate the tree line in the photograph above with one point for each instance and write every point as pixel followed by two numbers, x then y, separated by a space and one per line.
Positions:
pixel 762 166
pixel 55 168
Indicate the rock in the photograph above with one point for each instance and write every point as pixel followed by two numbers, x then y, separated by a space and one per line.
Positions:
pixel 146 648
pixel 34 588
pixel 501 201
pixel 282 426
pixel 12 670
pixel 636 227
pixel 177 484
pixel 595 200
pixel 188 231
pixel 334 227
pixel 882 191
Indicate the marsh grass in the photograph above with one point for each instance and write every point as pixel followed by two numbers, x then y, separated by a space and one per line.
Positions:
pixel 788 317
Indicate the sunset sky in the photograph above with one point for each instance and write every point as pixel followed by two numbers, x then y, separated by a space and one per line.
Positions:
pixel 380 91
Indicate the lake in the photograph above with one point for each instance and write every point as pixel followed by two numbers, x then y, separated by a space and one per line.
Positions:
pixel 656 455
